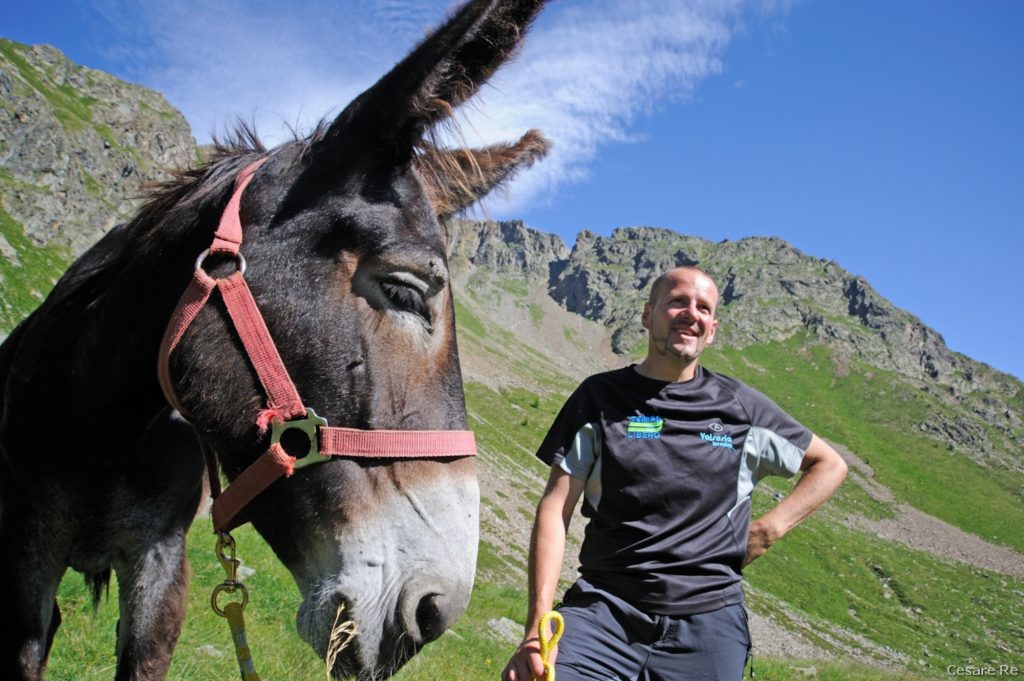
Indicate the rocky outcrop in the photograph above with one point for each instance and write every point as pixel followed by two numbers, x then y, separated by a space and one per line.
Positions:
pixel 507 247
pixel 769 292
pixel 78 147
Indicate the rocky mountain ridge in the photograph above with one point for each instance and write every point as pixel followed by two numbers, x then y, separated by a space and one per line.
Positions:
pixel 769 289
pixel 770 292
pixel 78 147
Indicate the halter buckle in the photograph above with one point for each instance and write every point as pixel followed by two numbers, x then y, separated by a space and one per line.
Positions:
pixel 308 426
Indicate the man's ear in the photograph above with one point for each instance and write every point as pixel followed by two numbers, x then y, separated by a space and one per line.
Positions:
pixel 645 318
pixel 711 334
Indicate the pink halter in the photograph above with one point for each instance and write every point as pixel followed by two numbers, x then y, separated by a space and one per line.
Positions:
pixel 284 409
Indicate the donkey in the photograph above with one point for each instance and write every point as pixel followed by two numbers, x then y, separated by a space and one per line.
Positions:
pixel 345 256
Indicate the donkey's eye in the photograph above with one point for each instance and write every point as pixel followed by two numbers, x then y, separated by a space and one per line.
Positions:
pixel 406 296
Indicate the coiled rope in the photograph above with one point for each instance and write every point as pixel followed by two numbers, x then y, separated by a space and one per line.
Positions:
pixel 549 639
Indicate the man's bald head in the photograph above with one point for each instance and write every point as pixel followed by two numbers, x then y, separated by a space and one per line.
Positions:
pixel 668 279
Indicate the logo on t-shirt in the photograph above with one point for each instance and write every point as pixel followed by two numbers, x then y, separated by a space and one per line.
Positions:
pixel 717 439
pixel 645 427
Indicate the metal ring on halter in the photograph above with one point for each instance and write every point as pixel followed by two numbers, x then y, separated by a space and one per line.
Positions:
pixel 238 256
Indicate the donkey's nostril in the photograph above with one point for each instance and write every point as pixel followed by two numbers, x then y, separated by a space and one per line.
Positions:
pixel 432 616
pixel 428 607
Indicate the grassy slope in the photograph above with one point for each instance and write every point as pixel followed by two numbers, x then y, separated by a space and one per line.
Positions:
pixel 847 584
pixel 26 279
pixel 875 414
pixel 83 650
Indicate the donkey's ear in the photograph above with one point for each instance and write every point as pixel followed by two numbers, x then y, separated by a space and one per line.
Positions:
pixel 445 70
pixel 456 178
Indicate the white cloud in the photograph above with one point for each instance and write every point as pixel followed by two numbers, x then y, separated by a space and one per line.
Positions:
pixel 589 69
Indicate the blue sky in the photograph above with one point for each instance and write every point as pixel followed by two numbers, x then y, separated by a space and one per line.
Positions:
pixel 888 136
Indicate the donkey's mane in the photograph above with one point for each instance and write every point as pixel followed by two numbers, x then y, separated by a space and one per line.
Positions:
pixel 211 176
pixel 230 154
pixel 90 277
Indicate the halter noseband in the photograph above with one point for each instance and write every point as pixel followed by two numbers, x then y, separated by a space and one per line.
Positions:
pixel 284 408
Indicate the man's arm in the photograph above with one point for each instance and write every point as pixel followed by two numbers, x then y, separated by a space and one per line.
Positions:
pixel 824 470
pixel 547 549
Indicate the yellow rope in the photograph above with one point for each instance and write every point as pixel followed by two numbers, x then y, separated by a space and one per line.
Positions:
pixel 233 611
pixel 549 640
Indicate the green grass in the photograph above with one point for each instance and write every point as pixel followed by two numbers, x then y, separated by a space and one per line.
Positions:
pixel 517 287
pixel 504 348
pixel 92 185
pixel 839 584
pixel 909 601
pixel 573 338
pixel 467 321
pixel 470 650
pixel 768 669
pixel 162 113
pixel 68 105
pixel 536 315
pixel 511 420
pixel 25 282
pixel 108 136
pixel 84 645
pixel 957 614
pixel 906 600
pixel 852 498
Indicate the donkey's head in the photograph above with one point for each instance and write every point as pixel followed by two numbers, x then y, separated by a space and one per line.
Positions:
pixel 346 260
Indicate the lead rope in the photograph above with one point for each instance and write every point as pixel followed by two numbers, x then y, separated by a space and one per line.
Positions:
pixel 233 610
pixel 549 640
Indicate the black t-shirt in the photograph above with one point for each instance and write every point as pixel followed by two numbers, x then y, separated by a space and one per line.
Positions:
pixel 669 468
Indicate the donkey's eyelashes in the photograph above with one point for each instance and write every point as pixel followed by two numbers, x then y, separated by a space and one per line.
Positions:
pixel 406 296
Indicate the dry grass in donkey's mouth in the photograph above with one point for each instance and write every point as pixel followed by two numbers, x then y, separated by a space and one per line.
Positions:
pixel 342 633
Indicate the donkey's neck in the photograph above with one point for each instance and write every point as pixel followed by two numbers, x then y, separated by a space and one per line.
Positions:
pixel 132 317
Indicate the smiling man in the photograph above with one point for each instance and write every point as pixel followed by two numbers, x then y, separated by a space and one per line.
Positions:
pixel 665 454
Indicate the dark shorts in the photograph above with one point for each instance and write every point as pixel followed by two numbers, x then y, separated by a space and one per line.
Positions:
pixel 606 638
